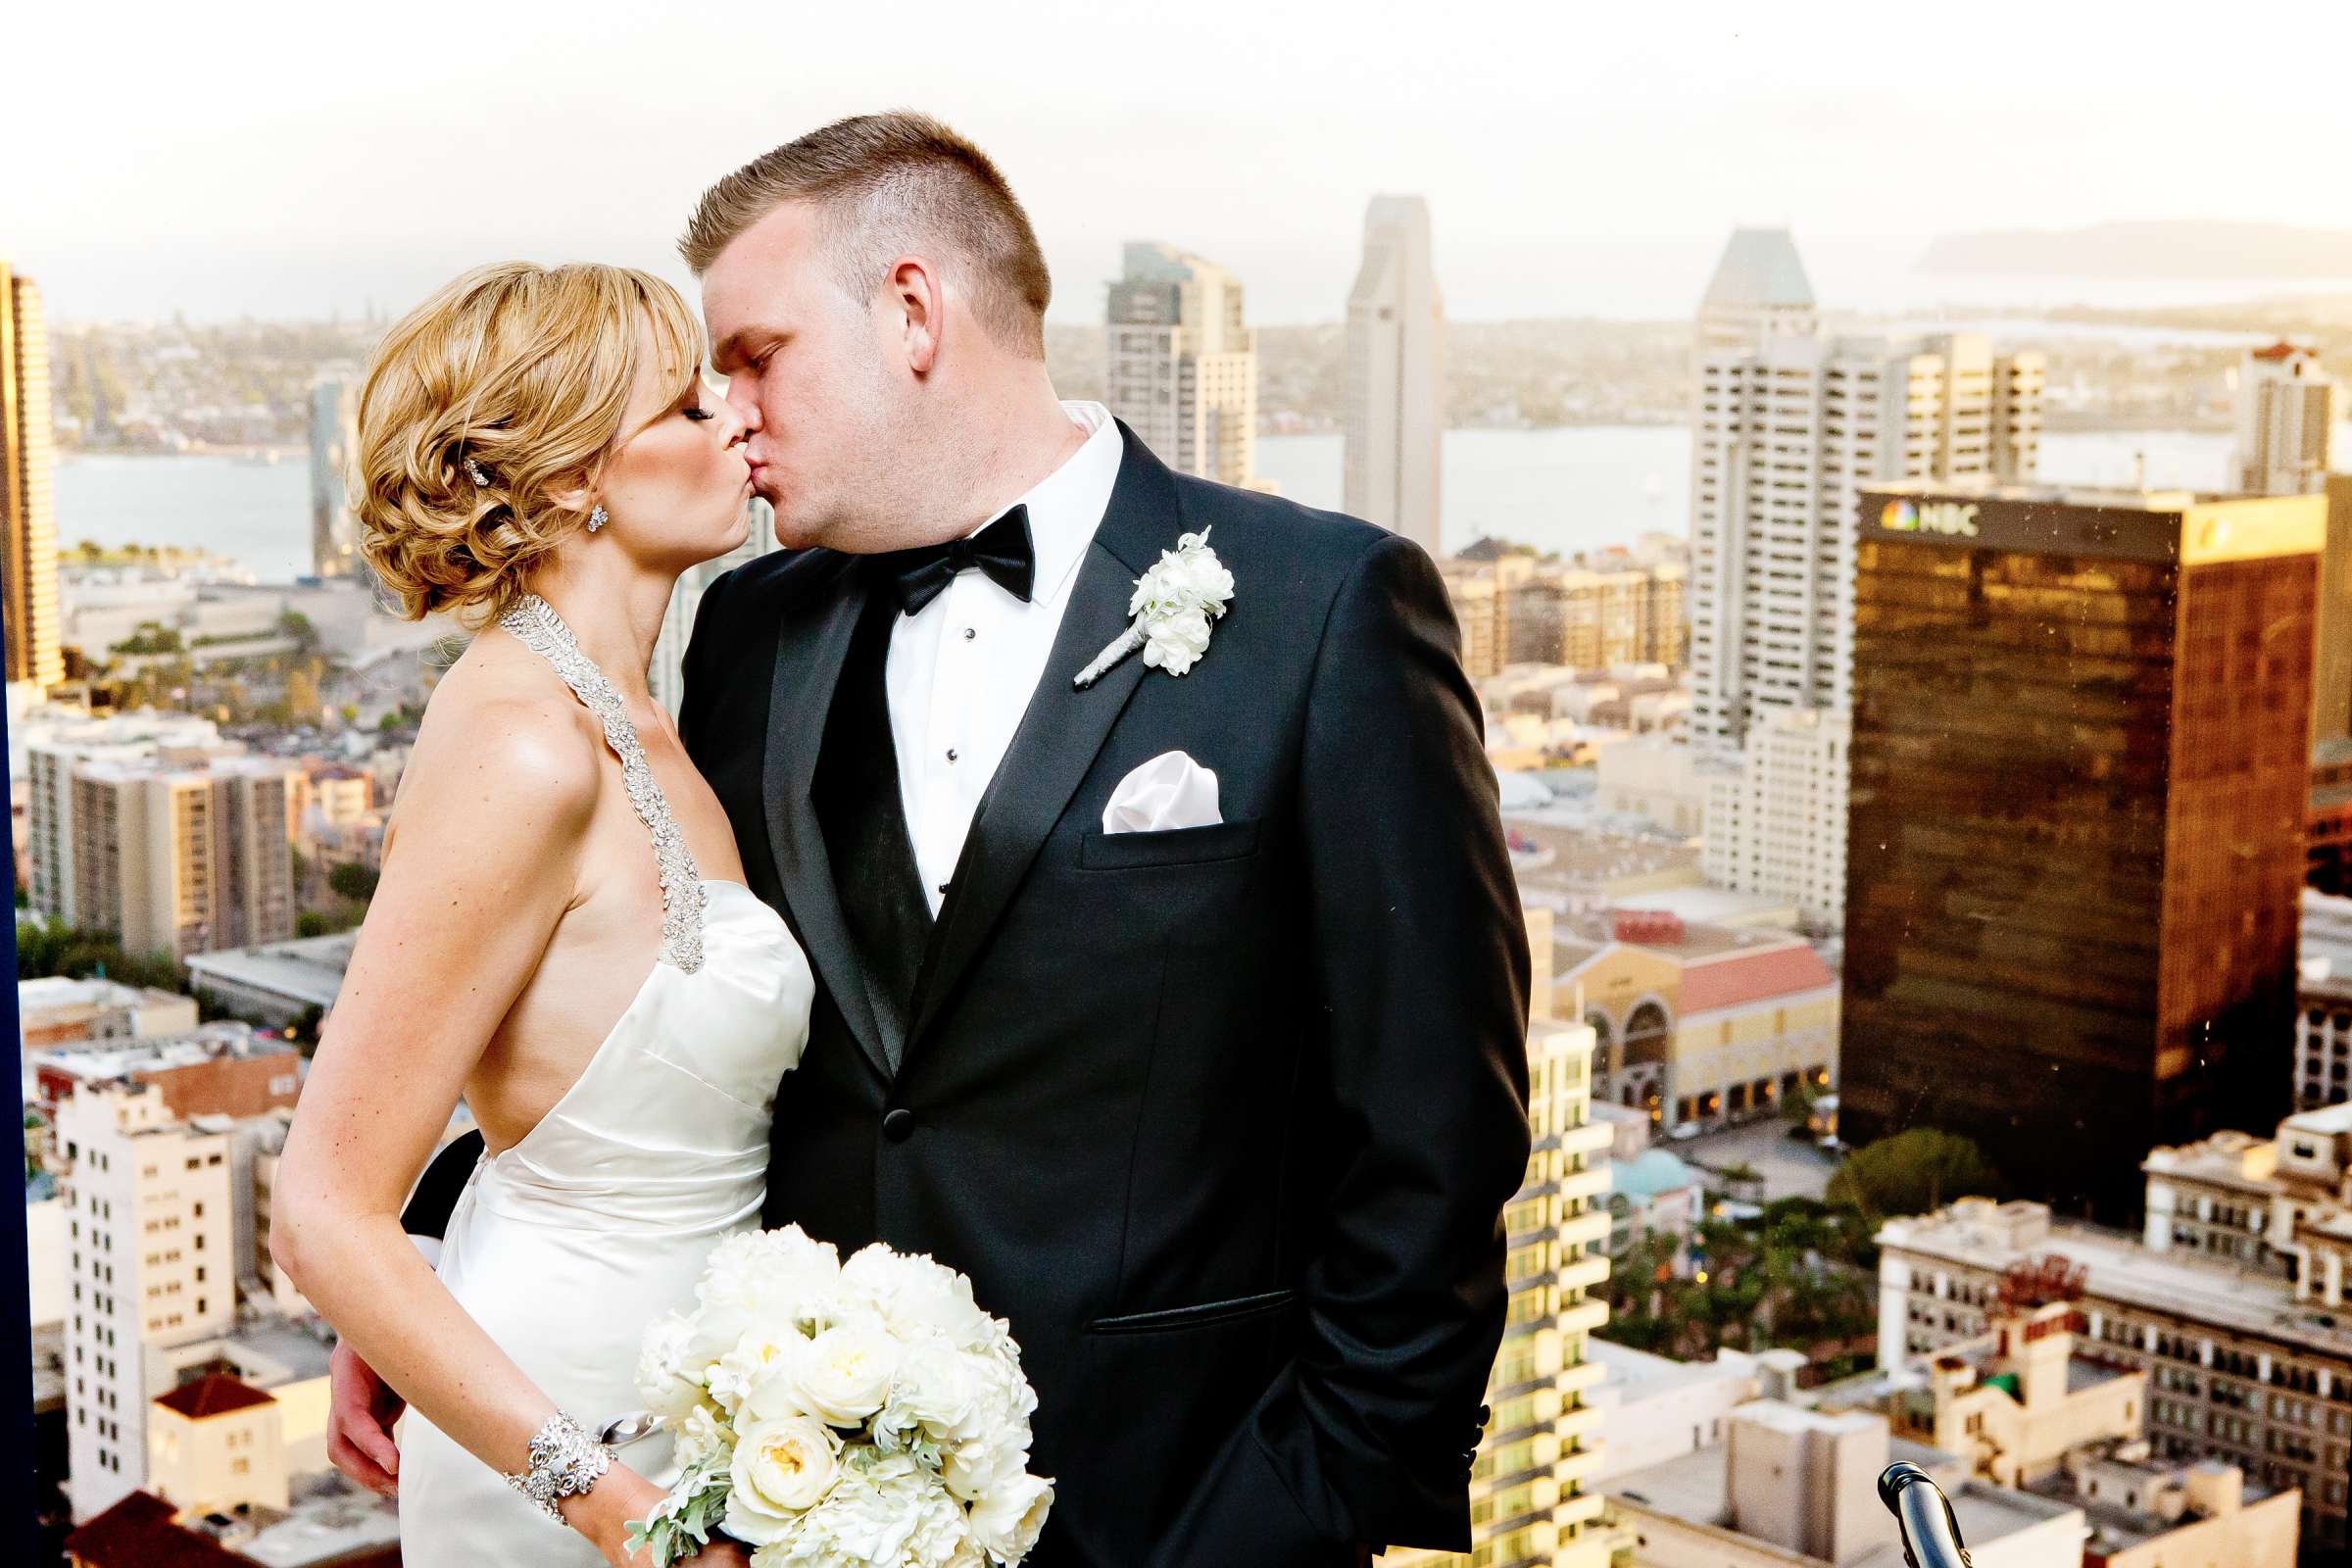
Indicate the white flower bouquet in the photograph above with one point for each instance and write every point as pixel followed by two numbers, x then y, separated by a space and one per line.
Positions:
pixel 829 1413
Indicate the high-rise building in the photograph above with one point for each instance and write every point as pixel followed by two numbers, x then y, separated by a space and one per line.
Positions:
pixel 2285 422
pixel 1786 436
pixel 150 1226
pixel 1759 293
pixel 184 860
pixel 1775 813
pixel 2079 769
pixel 1395 375
pixel 1531 1502
pixel 334 534
pixel 1181 366
pixel 28 524
pixel 667 675
pixel 2331 682
pixel 53 748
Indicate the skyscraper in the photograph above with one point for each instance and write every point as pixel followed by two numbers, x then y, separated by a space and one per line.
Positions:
pixel 1181 368
pixel 1785 434
pixel 335 536
pixel 1395 375
pixel 2074 864
pixel 1759 294
pixel 28 527
pixel 2285 422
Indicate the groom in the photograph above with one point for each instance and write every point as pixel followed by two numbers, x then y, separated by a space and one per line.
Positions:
pixel 1184 1012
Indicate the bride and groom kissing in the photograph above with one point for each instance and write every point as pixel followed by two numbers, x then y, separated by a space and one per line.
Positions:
pixel 1080 872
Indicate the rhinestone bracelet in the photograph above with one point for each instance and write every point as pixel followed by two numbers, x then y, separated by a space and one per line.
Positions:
pixel 566 1461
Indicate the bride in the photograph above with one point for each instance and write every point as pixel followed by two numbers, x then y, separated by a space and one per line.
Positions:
pixel 561 934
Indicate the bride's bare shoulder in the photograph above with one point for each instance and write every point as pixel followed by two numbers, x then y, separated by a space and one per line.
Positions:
pixel 502 731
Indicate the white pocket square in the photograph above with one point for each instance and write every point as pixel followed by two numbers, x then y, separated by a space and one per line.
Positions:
pixel 1170 790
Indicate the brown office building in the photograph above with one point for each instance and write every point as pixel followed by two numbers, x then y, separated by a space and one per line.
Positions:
pixel 2080 761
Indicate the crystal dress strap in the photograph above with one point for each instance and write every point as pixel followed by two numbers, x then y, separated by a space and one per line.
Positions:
pixel 534 623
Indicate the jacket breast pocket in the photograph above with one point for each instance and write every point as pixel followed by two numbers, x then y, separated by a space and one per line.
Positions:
pixel 1181 845
pixel 1238 1309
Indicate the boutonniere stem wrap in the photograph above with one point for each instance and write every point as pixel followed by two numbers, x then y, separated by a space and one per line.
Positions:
pixel 1174 602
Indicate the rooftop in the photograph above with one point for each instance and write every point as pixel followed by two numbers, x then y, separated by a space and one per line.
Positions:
pixel 1760 268
pixel 211 1395
pixel 309 970
pixel 57 992
pixel 1651 1172
pixel 139 1533
pixel 1633 1376
pixel 1570 860
pixel 209 1043
pixel 1993 1236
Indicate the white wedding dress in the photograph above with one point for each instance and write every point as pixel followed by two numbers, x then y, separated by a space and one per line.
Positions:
pixel 566 1245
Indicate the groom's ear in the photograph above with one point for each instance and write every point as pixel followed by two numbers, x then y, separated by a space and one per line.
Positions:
pixel 918 289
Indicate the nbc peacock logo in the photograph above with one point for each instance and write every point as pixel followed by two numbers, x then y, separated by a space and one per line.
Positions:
pixel 1899 516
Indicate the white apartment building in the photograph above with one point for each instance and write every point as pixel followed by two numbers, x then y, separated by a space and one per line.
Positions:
pixel 184 860
pixel 52 743
pixel 1775 813
pixel 151 1225
pixel 1786 436
pixel 1395 375
pixel 334 532
pixel 1181 368
pixel 2285 422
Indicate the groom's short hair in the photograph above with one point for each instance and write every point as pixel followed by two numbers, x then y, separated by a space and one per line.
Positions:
pixel 885 184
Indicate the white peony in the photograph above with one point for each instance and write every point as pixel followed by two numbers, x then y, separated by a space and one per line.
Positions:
pixel 934 1388
pixel 780 1470
pixel 916 1296
pixel 843 1375
pixel 1009 1515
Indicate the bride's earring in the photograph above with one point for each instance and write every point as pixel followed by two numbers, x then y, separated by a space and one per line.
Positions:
pixel 597 518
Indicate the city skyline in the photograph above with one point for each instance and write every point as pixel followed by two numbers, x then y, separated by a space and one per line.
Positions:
pixel 1576 164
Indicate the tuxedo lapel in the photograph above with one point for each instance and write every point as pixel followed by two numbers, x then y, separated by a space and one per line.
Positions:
pixel 1059 732
pixel 809 663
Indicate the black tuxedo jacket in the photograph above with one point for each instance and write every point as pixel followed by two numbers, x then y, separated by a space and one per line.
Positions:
pixel 1223 1120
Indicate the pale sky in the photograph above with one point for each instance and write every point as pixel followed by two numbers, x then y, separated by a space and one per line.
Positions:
pixel 286 160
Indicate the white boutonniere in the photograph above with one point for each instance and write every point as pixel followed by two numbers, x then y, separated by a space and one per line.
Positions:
pixel 1173 603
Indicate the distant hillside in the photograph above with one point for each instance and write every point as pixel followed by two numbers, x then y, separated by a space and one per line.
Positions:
pixel 2196 248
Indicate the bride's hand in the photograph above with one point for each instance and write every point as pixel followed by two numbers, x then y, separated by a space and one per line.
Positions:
pixel 720 1553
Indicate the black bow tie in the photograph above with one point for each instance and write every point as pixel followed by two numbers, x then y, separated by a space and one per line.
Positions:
pixel 1002 551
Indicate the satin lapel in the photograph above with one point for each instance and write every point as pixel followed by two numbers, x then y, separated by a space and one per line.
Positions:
pixel 808 664
pixel 1060 731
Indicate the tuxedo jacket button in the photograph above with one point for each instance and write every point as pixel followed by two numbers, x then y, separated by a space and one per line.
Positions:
pixel 899 1125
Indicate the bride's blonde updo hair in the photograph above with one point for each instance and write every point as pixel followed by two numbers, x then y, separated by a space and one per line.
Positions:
pixel 482 405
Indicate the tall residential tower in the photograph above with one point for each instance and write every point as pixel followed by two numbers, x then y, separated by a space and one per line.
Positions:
pixel 1395 375
pixel 1181 366
pixel 28 527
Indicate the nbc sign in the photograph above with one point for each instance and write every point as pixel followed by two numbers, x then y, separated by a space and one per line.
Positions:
pixel 1936 517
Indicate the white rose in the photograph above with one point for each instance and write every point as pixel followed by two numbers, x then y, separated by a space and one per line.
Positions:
pixel 1175 642
pixel 780 1469
pixel 667 1377
pixel 756 1362
pixel 843 1375
pixel 1009 1515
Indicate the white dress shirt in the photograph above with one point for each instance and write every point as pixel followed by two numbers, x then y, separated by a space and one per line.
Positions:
pixel 961 670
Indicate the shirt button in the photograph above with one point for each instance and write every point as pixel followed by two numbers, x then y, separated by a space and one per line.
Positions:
pixel 951 754
pixel 899 1125
pixel 970 632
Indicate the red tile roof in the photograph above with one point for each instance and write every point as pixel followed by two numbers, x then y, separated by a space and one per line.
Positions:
pixel 213 1394
pixel 2281 350
pixel 1741 979
pixel 138 1533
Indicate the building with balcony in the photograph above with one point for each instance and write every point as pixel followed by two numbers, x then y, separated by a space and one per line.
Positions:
pixel 1775 813
pixel 1181 365
pixel 2242 1365
pixel 2287 411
